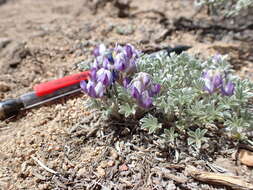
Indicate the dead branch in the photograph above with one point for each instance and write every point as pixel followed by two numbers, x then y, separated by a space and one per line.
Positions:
pixel 233 182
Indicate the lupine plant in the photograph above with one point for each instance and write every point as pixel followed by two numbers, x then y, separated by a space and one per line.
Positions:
pixel 170 95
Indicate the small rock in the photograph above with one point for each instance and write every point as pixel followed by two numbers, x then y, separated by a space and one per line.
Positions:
pixel 81 172
pixel 4 87
pixel 113 154
pixel 100 172
pixel 17 52
pixel 4 41
pixel 123 167
pixel 246 157
pixel 110 163
pixel 103 164
pixel 43 186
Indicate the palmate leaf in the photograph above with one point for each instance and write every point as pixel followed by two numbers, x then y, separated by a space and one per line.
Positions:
pixel 127 110
pixel 197 137
pixel 170 135
pixel 150 123
pixel 92 103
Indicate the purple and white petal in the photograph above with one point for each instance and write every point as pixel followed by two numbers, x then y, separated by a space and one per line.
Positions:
pixel 212 80
pixel 217 80
pixel 228 89
pixel 99 90
pixel 99 50
pixel 154 89
pixel 145 100
pixel 145 78
pixel 120 62
pixel 104 76
pixel 83 86
pixel 135 93
pixel 126 82
pixel 217 58
pixel 138 85
pixel 93 74
pixel 128 51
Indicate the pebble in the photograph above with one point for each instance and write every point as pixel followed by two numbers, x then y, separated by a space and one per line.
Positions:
pixel 43 186
pixel 103 164
pixel 4 41
pixel 81 172
pixel 123 167
pixel 4 87
pixel 246 157
pixel 110 163
pixel 113 154
pixel 100 172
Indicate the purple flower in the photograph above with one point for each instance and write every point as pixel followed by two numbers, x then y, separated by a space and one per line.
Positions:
pixel 95 64
pixel 110 58
pixel 132 68
pixel 217 58
pixel 120 62
pixel 143 89
pixel 138 85
pixel 95 90
pixel 99 50
pixel 116 65
pixel 135 93
pixel 104 76
pixel 216 81
pixel 129 51
pixel 88 87
pixel 93 74
pixel 154 90
pixel 145 101
pixel 83 85
pixel 99 89
pixel 228 89
pixel 126 82
pixel 145 78
pixel 106 63
pixel 212 80
pixel 125 58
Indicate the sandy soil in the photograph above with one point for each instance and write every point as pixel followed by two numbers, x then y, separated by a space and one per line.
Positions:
pixel 44 40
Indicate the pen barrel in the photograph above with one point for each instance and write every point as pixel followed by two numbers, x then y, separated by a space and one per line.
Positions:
pixel 46 88
pixel 31 99
pixel 10 107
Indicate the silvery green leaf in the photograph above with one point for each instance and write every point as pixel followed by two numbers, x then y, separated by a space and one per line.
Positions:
pixel 127 110
pixel 84 65
pixel 197 137
pixel 150 123
pixel 170 134
pixel 92 103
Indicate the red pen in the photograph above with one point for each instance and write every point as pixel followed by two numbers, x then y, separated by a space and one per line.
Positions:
pixel 43 93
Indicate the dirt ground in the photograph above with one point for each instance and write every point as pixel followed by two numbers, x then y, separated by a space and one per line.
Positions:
pixel 45 40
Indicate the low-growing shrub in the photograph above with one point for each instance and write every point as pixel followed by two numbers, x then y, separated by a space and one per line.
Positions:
pixel 170 95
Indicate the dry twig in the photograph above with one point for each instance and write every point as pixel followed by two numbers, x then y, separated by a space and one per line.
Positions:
pixel 233 182
pixel 43 165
